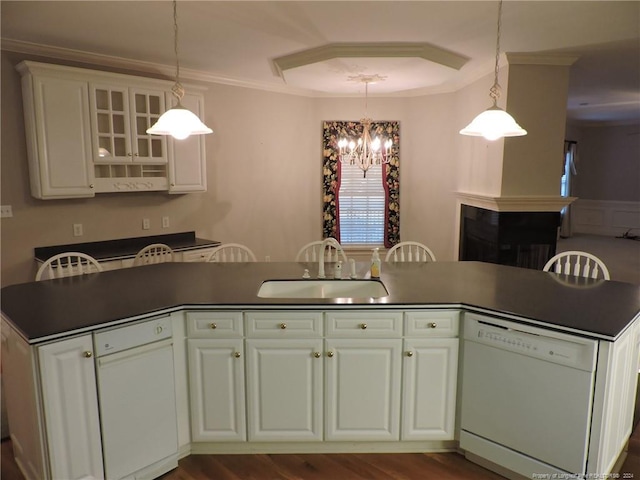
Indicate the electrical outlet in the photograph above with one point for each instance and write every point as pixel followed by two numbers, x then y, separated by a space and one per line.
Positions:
pixel 6 211
pixel 165 222
pixel 77 230
pixel 146 224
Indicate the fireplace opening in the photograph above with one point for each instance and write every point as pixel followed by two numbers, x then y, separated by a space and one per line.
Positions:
pixel 519 239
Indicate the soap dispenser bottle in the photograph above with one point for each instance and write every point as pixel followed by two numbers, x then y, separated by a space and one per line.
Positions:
pixel 375 263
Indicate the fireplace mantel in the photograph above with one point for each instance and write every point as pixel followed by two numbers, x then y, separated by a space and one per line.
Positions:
pixel 550 203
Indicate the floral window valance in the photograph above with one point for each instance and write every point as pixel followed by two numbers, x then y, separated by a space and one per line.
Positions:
pixel 332 131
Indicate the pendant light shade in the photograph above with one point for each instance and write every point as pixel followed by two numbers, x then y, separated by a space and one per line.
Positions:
pixel 178 121
pixel 494 123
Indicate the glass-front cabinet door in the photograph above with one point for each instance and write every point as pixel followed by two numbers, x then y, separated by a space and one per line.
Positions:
pixel 110 124
pixel 146 107
pixel 120 118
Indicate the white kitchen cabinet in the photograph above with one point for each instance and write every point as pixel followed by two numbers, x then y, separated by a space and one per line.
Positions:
pixel 58 134
pixel 216 383
pixel 70 401
pixel 429 378
pixel 86 134
pixel 363 375
pixel 216 361
pixel 284 375
pixel 284 389
pixel 362 389
pixel 187 160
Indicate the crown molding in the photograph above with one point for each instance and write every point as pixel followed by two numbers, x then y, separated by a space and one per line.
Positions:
pixel 168 72
pixel 516 58
pixel 330 51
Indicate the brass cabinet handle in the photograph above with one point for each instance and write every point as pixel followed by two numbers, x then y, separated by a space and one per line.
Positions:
pixel 363 326
pixel 213 326
pixel 283 326
pixel 330 353
pixel 409 353
pixel 237 354
pixel 88 354
pixel 317 354
pixel 432 325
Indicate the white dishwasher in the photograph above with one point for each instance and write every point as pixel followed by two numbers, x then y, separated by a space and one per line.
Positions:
pixel 136 393
pixel 526 396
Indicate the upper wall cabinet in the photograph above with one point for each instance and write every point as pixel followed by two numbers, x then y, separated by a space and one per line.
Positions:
pixel 86 134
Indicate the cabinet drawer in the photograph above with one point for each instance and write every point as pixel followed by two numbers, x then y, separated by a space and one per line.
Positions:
pixel 214 324
pixel 284 324
pixel 364 324
pixel 434 323
pixel 199 255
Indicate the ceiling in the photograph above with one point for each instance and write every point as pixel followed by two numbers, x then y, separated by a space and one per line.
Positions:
pixel 313 47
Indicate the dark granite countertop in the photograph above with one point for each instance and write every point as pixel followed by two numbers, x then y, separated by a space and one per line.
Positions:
pixel 126 247
pixel 55 308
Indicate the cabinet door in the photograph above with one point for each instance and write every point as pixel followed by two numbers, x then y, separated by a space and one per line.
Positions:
pixel 362 390
pixel 216 384
pixel 146 106
pixel 70 401
pixel 429 389
pixel 187 161
pixel 284 382
pixel 59 138
pixel 110 124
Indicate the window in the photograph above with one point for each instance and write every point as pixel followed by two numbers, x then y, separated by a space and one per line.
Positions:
pixel 363 223
pixel 361 206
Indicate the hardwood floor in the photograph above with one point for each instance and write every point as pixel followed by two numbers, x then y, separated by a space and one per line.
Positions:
pixel 413 466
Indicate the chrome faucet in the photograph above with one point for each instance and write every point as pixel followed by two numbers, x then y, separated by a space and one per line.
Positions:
pixel 327 241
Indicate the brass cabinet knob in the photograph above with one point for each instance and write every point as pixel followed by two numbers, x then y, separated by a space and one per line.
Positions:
pixel 363 326
pixel 91 185
pixel 237 354
pixel 283 326
pixel 317 354
pixel 432 325
pixel 409 353
pixel 330 353
pixel 213 326
pixel 88 354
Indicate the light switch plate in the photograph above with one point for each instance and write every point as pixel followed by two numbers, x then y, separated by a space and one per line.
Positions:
pixel 165 222
pixel 146 224
pixel 77 230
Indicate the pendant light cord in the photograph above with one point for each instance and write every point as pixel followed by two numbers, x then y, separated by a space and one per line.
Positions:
pixel 177 89
pixel 494 91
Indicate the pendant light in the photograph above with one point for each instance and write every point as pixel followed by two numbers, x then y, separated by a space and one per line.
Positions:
pixel 178 121
pixel 494 123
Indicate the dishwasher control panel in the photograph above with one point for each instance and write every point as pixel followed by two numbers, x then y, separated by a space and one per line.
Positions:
pixel 556 347
pixel 123 338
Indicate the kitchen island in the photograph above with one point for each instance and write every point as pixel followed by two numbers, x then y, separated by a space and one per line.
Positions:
pixel 217 315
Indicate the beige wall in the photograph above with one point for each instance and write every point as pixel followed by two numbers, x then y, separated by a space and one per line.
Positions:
pixel 532 165
pixel 608 163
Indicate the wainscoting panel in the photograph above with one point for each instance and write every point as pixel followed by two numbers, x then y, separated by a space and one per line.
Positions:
pixel 604 217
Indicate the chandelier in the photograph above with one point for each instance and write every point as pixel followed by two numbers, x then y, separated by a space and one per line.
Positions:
pixel 365 151
pixel 494 123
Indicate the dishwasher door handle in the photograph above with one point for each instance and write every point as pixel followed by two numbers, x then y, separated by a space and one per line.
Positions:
pixel 132 352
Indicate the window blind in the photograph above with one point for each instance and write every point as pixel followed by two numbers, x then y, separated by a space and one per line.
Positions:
pixel 361 205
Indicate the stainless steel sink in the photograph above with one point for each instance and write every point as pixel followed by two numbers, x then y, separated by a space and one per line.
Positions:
pixel 322 289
